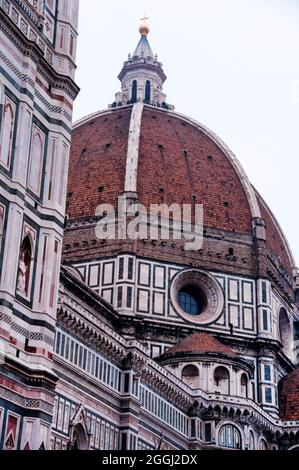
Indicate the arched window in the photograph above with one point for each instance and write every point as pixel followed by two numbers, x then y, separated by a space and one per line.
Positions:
pixel 221 380
pixel 190 376
pixel 24 271
pixel 134 91
pixel 147 92
pixel 251 442
pixel 229 436
pixel 7 133
pixel 244 386
pixel 263 445
pixel 36 160
pixel 285 332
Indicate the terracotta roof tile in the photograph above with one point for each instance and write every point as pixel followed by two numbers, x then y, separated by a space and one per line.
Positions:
pixel 98 163
pixel 178 164
pixel 288 390
pixel 200 343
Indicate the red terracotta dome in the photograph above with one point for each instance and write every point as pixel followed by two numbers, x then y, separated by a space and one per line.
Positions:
pixel 97 162
pixel 177 161
pixel 200 343
pixel 289 396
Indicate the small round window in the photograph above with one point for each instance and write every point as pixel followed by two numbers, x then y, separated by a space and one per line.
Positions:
pixel 192 300
pixel 196 296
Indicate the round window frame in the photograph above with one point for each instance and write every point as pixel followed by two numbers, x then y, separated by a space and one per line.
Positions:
pixel 208 285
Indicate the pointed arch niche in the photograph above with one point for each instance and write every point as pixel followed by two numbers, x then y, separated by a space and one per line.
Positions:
pixel 285 331
pixel 34 178
pixel 78 431
pixel 7 131
pixel 25 264
pixel 26 261
pixel 80 438
pixel 2 213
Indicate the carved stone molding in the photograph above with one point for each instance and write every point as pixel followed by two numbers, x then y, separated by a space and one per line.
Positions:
pixel 208 285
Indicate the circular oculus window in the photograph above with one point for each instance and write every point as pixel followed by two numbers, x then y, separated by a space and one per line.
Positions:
pixel 196 296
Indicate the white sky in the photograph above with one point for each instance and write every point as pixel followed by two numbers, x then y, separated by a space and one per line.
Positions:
pixel 231 64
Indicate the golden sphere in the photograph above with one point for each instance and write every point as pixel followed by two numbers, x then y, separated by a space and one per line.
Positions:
pixel 144 28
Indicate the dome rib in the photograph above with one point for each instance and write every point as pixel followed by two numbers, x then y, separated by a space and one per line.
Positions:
pixel 168 158
pixel 239 219
pixel 276 238
pixel 133 149
pixel 251 196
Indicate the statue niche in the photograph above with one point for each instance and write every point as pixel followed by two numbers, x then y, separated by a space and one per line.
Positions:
pixel 24 269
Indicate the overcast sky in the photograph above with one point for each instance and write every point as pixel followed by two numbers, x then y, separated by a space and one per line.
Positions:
pixel 233 65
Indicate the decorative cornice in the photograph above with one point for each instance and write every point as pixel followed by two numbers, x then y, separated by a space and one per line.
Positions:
pixel 142 64
pixel 31 49
pixel 85 293
pixel 29 11
pixel 131 355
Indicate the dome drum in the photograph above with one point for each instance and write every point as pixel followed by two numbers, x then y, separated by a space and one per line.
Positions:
pixel 201 361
